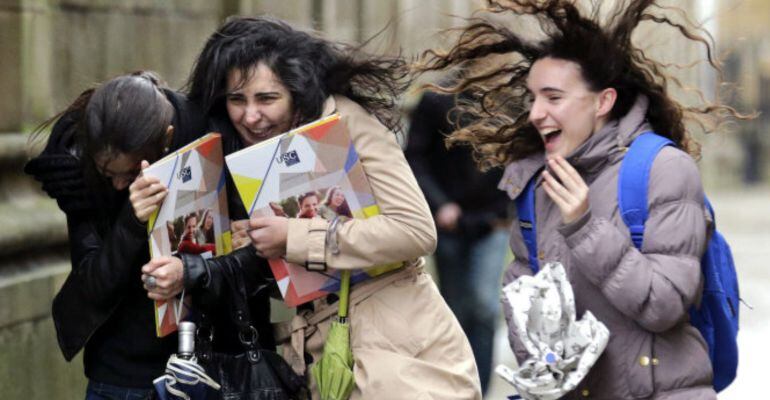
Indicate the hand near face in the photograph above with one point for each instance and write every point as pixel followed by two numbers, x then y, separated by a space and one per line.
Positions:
pixel 146 195
pixel 571 194
pixel 169 277
pixel 240 233
pixel 448 215
pixel 268 235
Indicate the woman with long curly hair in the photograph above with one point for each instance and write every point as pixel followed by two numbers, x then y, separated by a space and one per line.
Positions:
pixel 260 77
pixel 561 113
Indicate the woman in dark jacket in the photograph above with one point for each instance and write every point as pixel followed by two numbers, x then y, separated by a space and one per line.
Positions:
pixel 92 155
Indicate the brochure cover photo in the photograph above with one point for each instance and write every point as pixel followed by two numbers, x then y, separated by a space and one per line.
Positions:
pixel 310 172
pixel 193 218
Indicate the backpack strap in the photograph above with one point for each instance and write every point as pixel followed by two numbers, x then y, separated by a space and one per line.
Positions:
pixel 525 208
pixel 633 182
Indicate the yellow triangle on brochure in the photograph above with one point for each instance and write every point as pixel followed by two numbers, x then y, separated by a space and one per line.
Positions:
pixel 151 225
pixel 371 211
pixel 247 188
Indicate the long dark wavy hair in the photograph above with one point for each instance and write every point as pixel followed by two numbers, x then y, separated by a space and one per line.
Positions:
pixel 499 104
pixel 310 67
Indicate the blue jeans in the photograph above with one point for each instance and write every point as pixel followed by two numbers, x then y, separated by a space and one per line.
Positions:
pixel 103 391
pixel 470 272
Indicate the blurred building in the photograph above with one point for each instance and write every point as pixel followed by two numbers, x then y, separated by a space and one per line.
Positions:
pixel 742 30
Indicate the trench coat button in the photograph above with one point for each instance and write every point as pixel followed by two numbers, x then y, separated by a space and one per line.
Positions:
pixel 541 255
pixel 585 393
pixel 644 361
pixel 655 361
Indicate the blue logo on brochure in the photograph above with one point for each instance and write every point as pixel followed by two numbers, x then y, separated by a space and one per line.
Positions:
pixel 185 174
pixel 290 158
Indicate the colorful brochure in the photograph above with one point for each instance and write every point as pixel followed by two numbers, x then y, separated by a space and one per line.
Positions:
pixel 193 218
pixel 310 172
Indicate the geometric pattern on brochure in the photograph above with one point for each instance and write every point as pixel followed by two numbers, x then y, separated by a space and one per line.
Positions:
pixel 271 177
pixel 193 214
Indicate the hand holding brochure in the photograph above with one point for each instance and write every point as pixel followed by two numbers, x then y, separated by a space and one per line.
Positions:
pixel 193 218
pixel 310 172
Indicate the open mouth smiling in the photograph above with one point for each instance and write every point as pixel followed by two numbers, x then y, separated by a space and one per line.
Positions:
pixel 551 136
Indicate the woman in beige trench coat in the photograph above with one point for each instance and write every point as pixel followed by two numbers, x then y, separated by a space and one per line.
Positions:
pixel 259 77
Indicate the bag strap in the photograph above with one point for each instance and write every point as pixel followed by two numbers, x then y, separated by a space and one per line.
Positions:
pixel 633 182
pixel 240 314
pixel 525 208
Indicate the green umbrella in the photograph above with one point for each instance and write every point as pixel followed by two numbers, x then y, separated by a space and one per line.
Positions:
pixel 334 372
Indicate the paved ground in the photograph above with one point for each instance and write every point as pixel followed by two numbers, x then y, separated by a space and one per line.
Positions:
pixel 744 219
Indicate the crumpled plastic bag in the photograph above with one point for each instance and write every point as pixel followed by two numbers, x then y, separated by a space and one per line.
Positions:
pixel 562 349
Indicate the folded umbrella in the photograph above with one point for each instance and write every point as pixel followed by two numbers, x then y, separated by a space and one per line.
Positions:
pixel 184 379
pixel 334 372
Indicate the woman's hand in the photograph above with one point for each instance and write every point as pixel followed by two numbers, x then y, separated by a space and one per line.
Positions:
pixel 268 235
pixel 240 233
pixel 146 195
pixel 169 277
pixel 448 215
pixel 571 195
pixel 277 209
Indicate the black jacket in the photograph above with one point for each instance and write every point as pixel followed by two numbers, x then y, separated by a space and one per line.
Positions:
pixel 102 305
pixel 451 175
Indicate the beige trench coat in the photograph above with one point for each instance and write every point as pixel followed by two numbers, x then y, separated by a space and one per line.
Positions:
pixel 406 342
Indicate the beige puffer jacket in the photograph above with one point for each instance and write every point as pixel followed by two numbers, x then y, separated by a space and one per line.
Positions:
pixel 642 297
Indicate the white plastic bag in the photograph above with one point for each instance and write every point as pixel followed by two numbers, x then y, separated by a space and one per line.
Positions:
pixel 562 349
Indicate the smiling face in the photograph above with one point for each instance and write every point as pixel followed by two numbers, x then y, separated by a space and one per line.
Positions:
pixel 309 207
pixel 337 198
pixel 191 226
pixel 564 110
pixel 208 223
pixel 259 107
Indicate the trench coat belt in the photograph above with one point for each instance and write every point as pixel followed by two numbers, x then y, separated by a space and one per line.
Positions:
pixel 305 322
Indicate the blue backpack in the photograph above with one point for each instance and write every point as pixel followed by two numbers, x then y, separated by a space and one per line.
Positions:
pixel 717 316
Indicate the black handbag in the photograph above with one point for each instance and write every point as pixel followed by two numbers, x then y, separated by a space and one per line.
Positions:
pixel 255 374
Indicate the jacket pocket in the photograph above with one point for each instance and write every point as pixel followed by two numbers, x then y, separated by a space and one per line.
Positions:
pixel 383 323
pixel 639 361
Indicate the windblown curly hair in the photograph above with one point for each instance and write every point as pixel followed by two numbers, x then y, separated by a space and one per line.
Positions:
pixel 311 68
pixel 498 100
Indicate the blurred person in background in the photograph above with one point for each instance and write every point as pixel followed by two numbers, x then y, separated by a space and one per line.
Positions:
pixel 471 217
